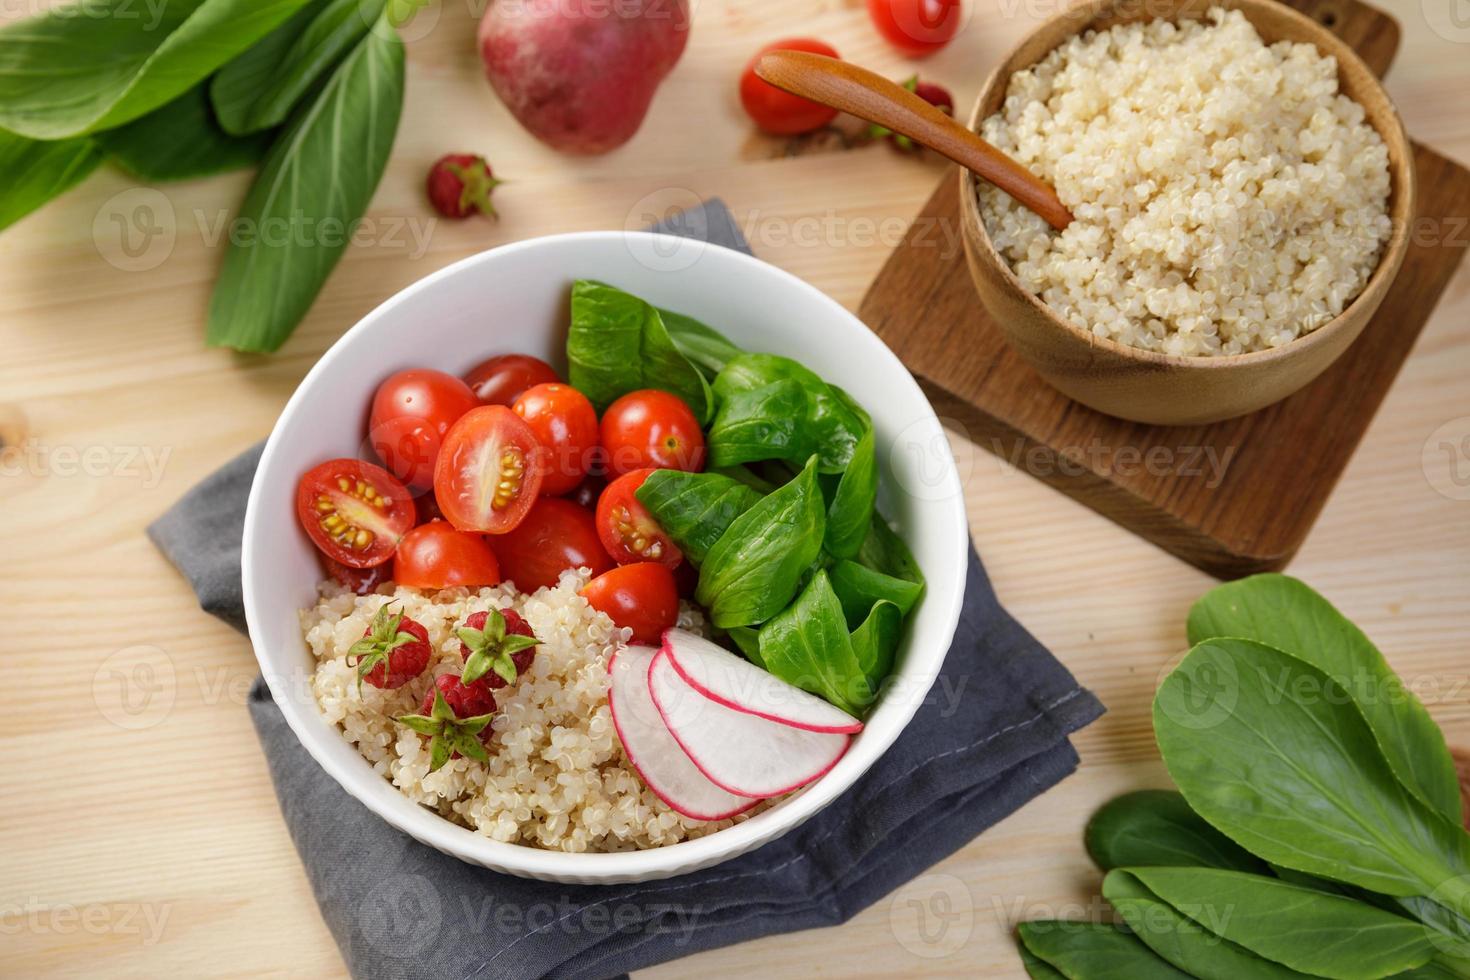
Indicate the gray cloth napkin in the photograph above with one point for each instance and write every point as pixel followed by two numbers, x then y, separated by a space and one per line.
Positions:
pixel 990 736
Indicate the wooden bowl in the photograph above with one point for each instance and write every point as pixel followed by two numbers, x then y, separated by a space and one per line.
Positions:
pixel 1165 389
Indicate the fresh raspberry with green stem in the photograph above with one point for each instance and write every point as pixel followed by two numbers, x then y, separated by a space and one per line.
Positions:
pixel 497 645
pixel 393 650
pixel 935 95
pixel 453 733
pixel 460 185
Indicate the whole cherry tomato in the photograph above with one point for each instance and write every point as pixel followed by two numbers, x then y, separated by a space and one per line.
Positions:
pixel 642 597
pixel 779 112
pixel 436 556
pixel 501 379
pixel 565 423
pixel 917 27
pixel 411 412
pixel 556 535
pixel 360 581
pixel 651 429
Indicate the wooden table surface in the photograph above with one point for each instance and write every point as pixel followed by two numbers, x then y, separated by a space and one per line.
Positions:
pixel 139 835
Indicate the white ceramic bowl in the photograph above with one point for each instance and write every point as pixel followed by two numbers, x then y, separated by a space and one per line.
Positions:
pixel 514 298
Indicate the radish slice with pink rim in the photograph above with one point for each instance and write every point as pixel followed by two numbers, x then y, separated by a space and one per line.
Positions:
pixel 739 752
pixel 662 764
pixel 737 683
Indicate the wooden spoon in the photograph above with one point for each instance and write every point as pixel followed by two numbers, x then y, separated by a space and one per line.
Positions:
pixel 843 85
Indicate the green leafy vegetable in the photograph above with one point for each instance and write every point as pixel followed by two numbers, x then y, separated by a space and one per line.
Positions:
pixel 1436 969
pixel 260 87
pixel 181 141
pixel 858 587
pixel 36 171
pixel 743 474
pixel 706 348
pixel 695 509
pixel 315 185
pixel 875 642
pixel 748 639
pixel 1156 827
pixel 1184 942
pixel 768 422
pixel 79 69
pixel 1349 940
pixel 753 570
pixel 1454 931
pixel 884 551
pixel 834 426
pixel 1271 751
pixel 1093 951
pixel 1284 613
pixel 807 645
pixel 850 517
pixel 618 343
pixel 1039 969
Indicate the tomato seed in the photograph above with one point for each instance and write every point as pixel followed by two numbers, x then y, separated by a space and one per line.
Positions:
pixel 512 468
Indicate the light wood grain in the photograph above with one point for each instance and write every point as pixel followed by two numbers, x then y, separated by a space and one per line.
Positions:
pixel 179 818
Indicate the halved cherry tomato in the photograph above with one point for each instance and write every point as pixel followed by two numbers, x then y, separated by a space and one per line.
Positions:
pixel 353 511
pixel 917 27
pixel 651 428
pixel 503 378
pixel 489 471
pixel 411 412
pixel 777 111
pixel 566 424
pixel 361 581
pixel 628 530
pixel 641 597
pixel 556 535
pixel 436 556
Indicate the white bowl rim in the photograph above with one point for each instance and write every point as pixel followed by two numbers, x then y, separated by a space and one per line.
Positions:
pixel 670 859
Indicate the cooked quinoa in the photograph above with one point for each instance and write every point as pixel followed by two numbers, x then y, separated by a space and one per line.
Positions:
pixel 1227 198
pixel 558 777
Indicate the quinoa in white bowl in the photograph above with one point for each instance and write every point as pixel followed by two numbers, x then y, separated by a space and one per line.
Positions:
pixel 557 776
pixel 1228 198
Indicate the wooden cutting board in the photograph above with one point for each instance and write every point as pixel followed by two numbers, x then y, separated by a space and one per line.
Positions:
pixel 1232 498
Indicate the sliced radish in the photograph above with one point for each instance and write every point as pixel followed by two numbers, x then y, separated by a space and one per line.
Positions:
pixel 660 761
pixel 738 751
pixel 737 683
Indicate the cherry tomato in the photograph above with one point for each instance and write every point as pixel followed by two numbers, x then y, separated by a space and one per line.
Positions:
pixel 654 429
pixel 436 556
pixel 917 27
pixel 428 509
pixel 686 580
pixel 588 491
pixel 641 597
pixel 556 535
pixel 489 471
pixel 354 512
pixel 779 112
pixel 502 379
pixel 628 530
pixel 564 422
pixel 361 581
pixel 411 412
